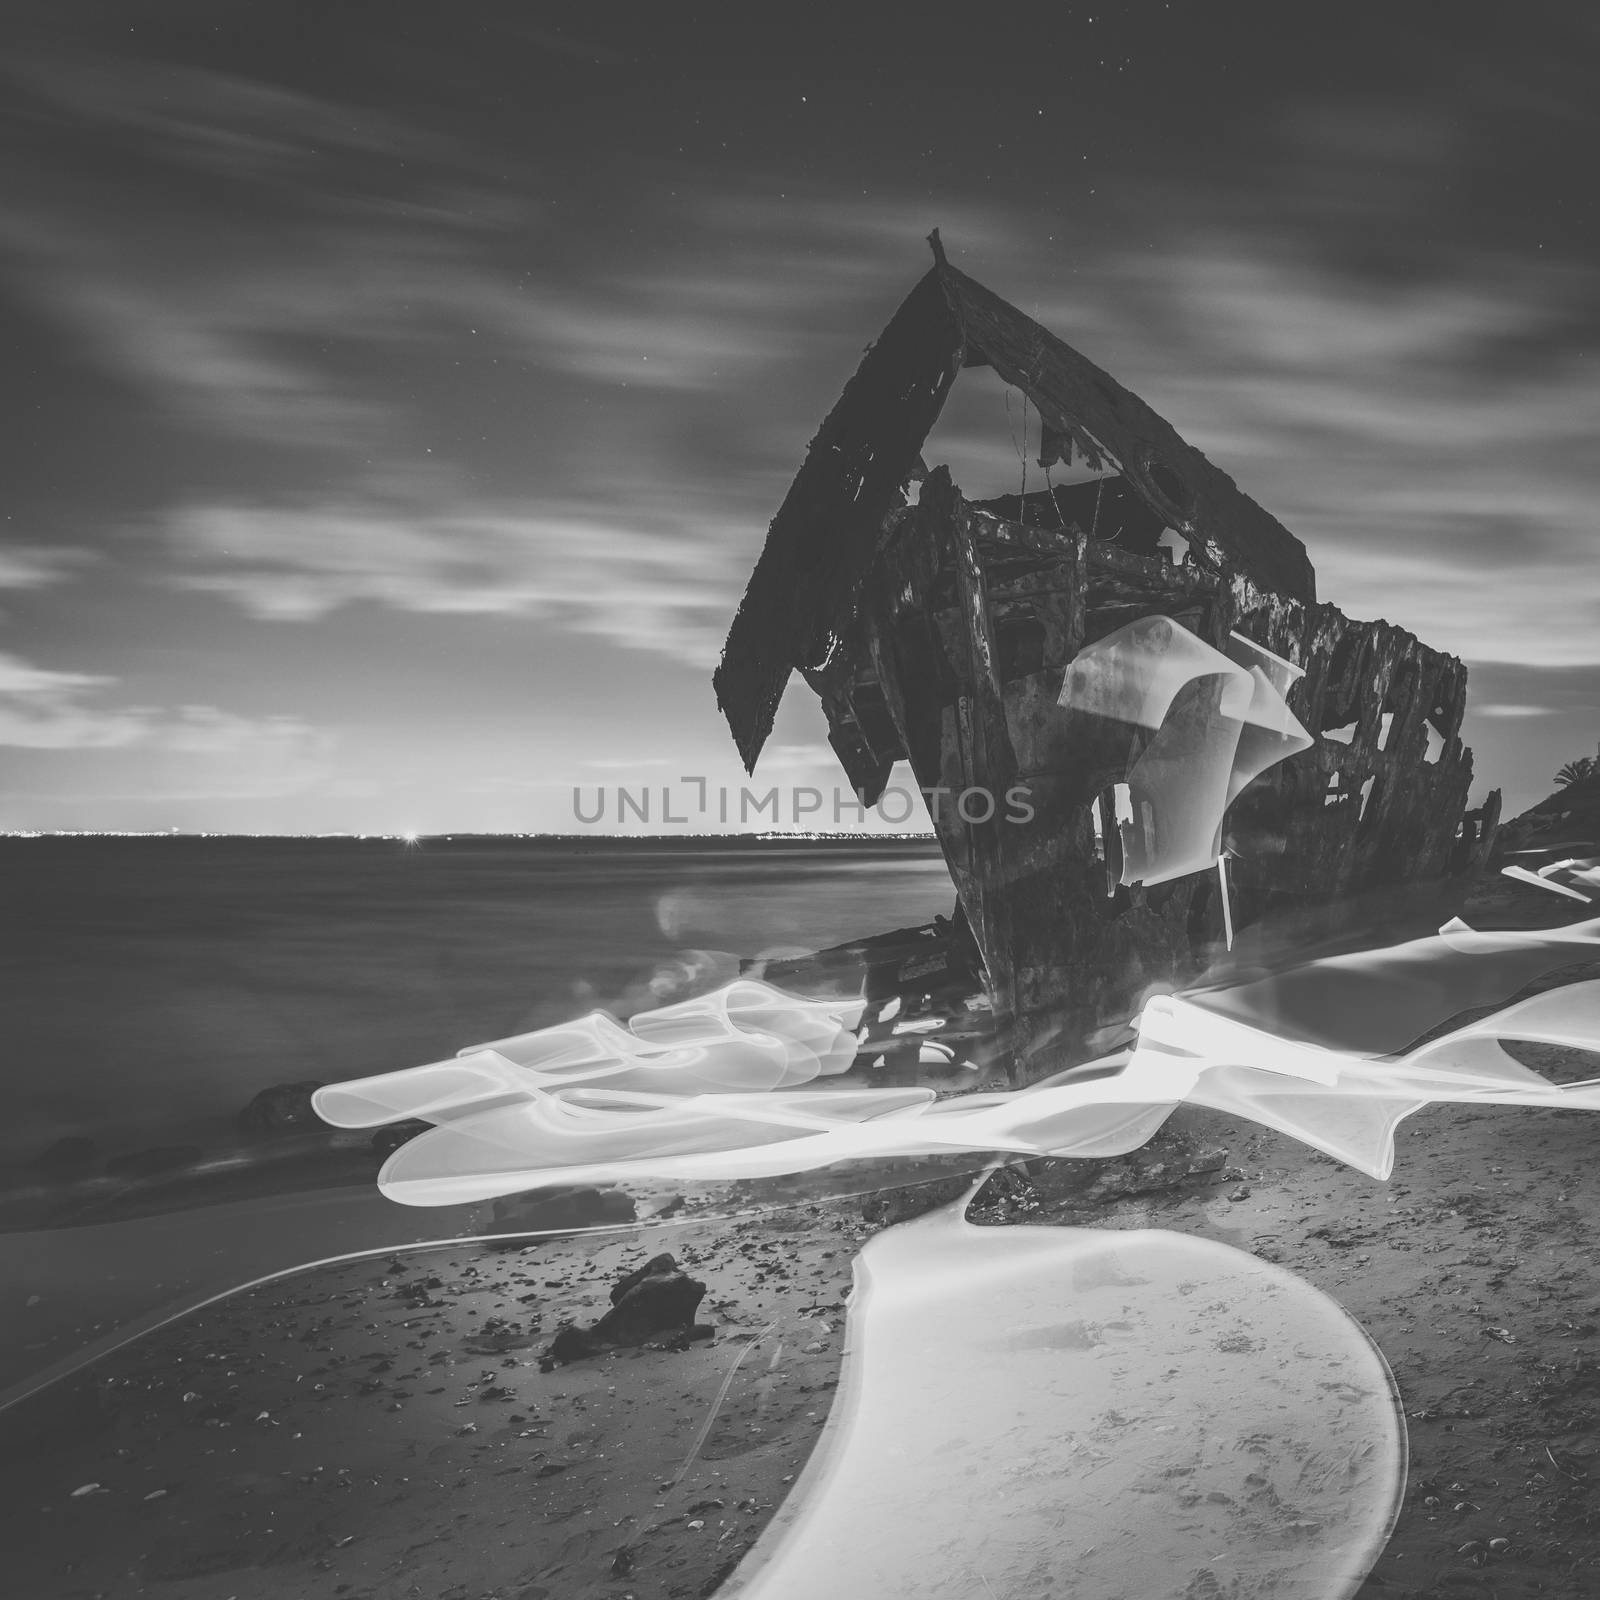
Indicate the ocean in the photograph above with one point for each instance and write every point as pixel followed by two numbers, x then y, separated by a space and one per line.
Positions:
pixel 154 985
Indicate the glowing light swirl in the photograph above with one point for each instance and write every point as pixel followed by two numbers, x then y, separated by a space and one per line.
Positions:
pixel 725 1086
pixel 1208 744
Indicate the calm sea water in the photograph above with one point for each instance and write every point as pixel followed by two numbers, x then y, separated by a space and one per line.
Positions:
pixel 151 986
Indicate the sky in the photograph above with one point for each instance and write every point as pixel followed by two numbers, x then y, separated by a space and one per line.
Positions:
pixel 396 395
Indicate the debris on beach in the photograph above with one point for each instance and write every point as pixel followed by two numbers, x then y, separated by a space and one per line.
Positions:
pixel 655 1302
pixel 387 1140
pixel 1174 1161
pixel 886 1207
pixel 568 1206
pixel 282 1108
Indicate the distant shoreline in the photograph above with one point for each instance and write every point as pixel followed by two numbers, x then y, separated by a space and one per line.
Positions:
pixel 920 842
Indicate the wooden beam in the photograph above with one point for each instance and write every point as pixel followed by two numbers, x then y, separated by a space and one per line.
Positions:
pixel 802 594
pixel 1074 396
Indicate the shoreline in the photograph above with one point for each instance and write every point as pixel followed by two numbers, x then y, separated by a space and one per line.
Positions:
pixel 1473 1270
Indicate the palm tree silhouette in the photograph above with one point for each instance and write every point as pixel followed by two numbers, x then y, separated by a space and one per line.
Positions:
pixel 1576 771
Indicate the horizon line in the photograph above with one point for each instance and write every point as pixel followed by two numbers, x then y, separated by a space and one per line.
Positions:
pixel 451 833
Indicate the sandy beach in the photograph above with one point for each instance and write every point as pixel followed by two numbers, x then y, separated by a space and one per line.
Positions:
pixel 383 1429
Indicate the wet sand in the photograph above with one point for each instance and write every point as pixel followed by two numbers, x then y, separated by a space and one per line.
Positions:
pixel 384 1429
pixel 131 1264
pixel 436 1460
pixel 1476 1269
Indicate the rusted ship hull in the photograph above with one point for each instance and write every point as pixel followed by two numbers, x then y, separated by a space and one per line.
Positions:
pixel 942 633
pixel 956 661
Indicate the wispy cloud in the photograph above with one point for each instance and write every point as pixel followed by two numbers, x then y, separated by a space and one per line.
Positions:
pixel 1412 392
pixel 661 591
pixel 740 298
pixel 278 233
pixel 244 128
pixel 227 332
pixel 404 362
pixel 42 708
pixel 283 322
pixel 628 534
pixel 1420 441
pixel 35 566
pixel 1430 440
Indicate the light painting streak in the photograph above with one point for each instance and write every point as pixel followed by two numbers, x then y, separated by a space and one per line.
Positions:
pixel 1219 721
pixel 1581 871
pixel 726 1086
pixel 1077 1412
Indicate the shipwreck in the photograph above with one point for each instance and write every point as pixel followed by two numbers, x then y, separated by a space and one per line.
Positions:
pixel 993 645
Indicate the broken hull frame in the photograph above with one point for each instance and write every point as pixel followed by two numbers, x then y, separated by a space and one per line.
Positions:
pixel 940 633
pixel 955 662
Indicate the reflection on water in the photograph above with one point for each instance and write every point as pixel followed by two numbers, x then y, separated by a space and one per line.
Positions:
pixel 1064 1411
